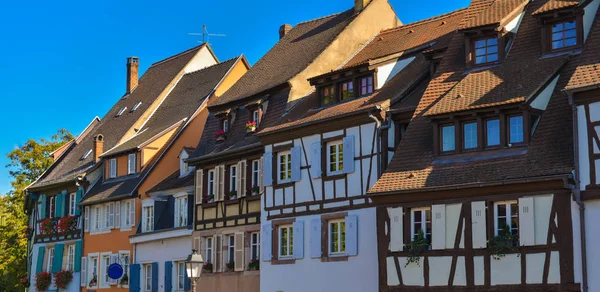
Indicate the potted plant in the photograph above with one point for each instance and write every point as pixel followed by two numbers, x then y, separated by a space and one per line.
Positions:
pixel 25 282
pixel 43 281
pixel 124 280
pixel 66 224
pixel 209 198
pixel 232 195
pixel 63 278
pixel 503 243
pixel 230 266
pixel 416 247
pixel 220 135
pixel 255 190
pixel 250 127
pixel 208 266
pixel 93 281
pixel 254 265
pixel 46 226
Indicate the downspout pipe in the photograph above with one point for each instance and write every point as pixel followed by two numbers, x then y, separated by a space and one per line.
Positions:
pixel 380 127
pixel 577 195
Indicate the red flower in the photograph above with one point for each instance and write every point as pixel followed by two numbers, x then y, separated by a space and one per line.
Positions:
pixel 219 133
pixel 66 224
pixel 43 281
pixel 47 226
pixel 63 278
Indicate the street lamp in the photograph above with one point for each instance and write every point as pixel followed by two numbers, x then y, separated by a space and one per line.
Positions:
pixel 193 267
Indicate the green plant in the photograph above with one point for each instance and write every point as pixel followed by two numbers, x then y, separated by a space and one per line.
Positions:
pixel 231 265
pixel 503 243
pixel 124 280
pixel 232 195
pixel 416 247
pixel 63 278
pixel 43 281
pixel 208 266
pixel 254 265
pixel 93 281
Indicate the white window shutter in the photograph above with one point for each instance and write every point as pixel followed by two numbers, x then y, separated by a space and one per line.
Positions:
pixel 266 248
pixel 348 154
pixel 111 215
pixel 114 259
pixel 260 171
pixel 132 213
pixel 83 272
pixel 315 159
pixel 438 226
pixel 239 252
pixel 200 247
pixel 526 222
pixel 351 235
pixel 220 182
pixel 315 238
pixel 296 163
pixel 218 247
pixel 268 169
pixel 396 229
pixel 478 218
pixel 86 221
pixel 242 178
pixel 299 239
pixel 199 181
pixel 117 215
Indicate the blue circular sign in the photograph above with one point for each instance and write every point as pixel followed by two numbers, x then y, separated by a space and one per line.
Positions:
pixel 115 271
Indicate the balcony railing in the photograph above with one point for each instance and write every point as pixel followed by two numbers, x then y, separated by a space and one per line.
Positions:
pixel 54 229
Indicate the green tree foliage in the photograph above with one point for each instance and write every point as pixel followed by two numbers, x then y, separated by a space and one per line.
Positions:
pixel 27 163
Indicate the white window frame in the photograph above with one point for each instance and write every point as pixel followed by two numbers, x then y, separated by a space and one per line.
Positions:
pixel 423 221
pixel 508 216
pixel 72 204
pixel 125 215
pixel 225 125
pixel 97 218
pixel 255 173
pixel 180 276
pixel 209 249
pixel 148 218
pixel 112 168
pixel 211 182
pixel 135 107
pixel 125 262
pixel 289 250
pixel 147 278
pixel 121 111
pixel 86 154
pixel 285 167
pixel 70 257
pixel 131 163
pixel 52 207
pixel 106 217
pixel 181 200
pixel 339 154
pixel 341 240
pixel 94 262
pixel 105 280
pixel 231 248
pixel 255 117
pixel 233 175
pixel 255 244
pixel 50 260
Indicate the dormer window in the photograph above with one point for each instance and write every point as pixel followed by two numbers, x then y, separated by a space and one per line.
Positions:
pixel 366 85
pixel 347 90
pixel 328 95
pixel 470 135
pixel 564 34
pixel 225 126
pixel 135 107
pixel 448 138
pixel 255 117
pixel 486 50
pixel 121 111
pixel 515 129
pixel 492 132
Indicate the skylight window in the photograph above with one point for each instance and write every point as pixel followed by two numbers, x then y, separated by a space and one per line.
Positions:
pixel 135 106
pixel 121 111
pixel 87 153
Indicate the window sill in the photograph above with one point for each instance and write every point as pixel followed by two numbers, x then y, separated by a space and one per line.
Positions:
pixel 283 262
pixel 286 184
pixel 100 232
pixel 209 205
pixel 125 229
pixel 334 258
pixel 231 202
pixel 334 176
pixel 253 198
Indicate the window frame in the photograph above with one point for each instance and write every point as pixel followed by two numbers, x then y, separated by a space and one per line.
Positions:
pixel 289 239
pixel 132 157
pixel 112 168
pixel 255 245
pixel 52 207
pixel 360 85
pixel 147 276
pixel 340 85
pixel 50 260
pixel 180 275
pixel 563 20
pixel 210 186
pixel 209 250
pixel 127 207
pixel 508 129
pixel 256 117
pixel 181 210
pixel 126 263
pixel 105 283
pixel 486 38
pixel 148 218
pixel 508 216
pixel 339 144
pixel 94 264
pixel 341 239
pixel 230 248
pixel 333 95
pixel 288 167
pixel 70 264
pixel 106 217
pixel 423 222
pixel 464 137
pixel 97 218
pixel 486 134
pixel 441 135
pixel 72 203
pixel 225 125
pixel 233 176
pixel 255 173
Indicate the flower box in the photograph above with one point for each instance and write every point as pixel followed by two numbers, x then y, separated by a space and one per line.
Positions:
pixel 220 135
pixel 230 266
pixel 43 281
pixel 250 127
pixel 232 195
pixel 254 265
pixel 255 190
pixel 208 266
pixel 209 198
pixel 63 278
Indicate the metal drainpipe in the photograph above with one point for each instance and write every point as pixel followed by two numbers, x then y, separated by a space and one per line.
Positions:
pixel 380 129
pixel 578 200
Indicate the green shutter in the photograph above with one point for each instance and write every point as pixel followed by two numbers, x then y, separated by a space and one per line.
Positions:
pixel 77 265
pixel 40 260
pixel 42 207
pixel 59 250
pixel 77 199
pixel 59 205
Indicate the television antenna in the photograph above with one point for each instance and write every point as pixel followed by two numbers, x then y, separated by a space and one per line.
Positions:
pixel 205 35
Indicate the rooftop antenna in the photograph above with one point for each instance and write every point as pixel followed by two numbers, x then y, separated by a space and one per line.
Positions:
pixel 205 35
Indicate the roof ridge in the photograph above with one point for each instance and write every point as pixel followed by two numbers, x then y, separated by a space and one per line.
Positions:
pixel 177 55
pixel 423 21
pixel 321 18
pixel 213 65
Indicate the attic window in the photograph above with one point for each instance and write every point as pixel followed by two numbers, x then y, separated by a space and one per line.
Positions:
pixel 121 111
pixel 346 90
pixel 486 50
pixel 87 153
pixel 564 34
pixel 135 106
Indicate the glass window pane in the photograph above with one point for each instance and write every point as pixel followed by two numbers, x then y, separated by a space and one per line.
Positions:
pixel 516 129
pixel 557 44
pixel 492 41
pixel 480 60
pixel 470 135
pixel 492 49
pixel 557 27
pixel 570 33
pixel 570 25
pixel 570 42
pixel 480 52
pixel 493 132
pixel 502 210
pixel 557 35
pixel 493 58
pixel 448 138
pixel 480 44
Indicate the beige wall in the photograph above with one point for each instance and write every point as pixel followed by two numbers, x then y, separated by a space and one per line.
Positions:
pixel 248 281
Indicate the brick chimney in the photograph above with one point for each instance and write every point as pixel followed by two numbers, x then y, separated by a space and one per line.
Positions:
pixel 284 29
pixel 359 5
pixel 133 64
pixel 98 147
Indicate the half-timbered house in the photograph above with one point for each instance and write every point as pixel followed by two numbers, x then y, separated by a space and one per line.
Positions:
pixel 479 193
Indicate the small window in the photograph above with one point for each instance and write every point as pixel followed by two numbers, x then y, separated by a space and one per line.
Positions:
pixel 492 132
pixel 255 246
pixel 93 272
pixel 209 249
pixel 337 237
pixel 233 178
pixel 148 220
pixel 255 174
pixel 126 214
pixel 105 264
pixel 131 165
pixel 181 211
pixel 470 135
pixel 72 204
pixel 184 167
pixel 50 260
pixel 506 218
pixel 366 85
pixel 135 107
pixel 70 257
pixel 421 220
pixel 106 216
pixel 87 153
pixel 335 157
pixel 486 50
pixel 230 248
pixel 347 90
pixel 180 276
pixel 564 34
pixel 124 260
pixel 148 278
pixel 286 241
pixel 328 95
pixel 121 111
pixel 448 138
pixel 516 129
pixel 255 117
pixel 52 207
pixel 112 168
pixel 211 182
pixel 225 125
pixel 97 219
pixel 284 166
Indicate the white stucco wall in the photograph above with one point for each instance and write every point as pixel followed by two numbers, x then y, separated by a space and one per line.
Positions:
pixel 161 251
pixel 592 217
pixel 202 60
pixel 388 71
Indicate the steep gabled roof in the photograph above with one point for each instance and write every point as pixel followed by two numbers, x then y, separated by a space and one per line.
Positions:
pixel 292 54
pixel 554 5
pixel 149 88
pixel 588 67
pixel 497 12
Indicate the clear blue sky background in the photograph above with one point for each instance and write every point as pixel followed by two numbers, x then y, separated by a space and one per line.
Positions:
pixel 63 62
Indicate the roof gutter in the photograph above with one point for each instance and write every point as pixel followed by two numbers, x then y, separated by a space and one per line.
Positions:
pixel 196 160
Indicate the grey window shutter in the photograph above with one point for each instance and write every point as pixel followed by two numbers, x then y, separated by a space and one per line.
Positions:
pixel 315 159
pixel 396 229
pixel 268 169
pixel 348 154
pixel 526 222
pixel 299 239
pixel 296 163
pixel 266 242
pixel 438 226
pixel 479 228
pixel 86 221
pixel 154 277
pixel 315 238
pixel 352 235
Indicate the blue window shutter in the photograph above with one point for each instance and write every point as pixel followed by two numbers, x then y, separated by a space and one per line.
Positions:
pixel 296 162
pixel 40 260
pixel 315 238
pixel 348 154
pixel 268 169
pixel 299 239
pixel 59 249
pixel 42 207
pixel 154 277
pixel 60 205
pixel 168 276
pixel 134 278
pixel 352 235
pixel 266 242
pixel 315 159
pixel 187 285
pixel 77 200
pixel 77 266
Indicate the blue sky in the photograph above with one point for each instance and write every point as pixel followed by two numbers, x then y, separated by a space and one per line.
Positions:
pixel 64 61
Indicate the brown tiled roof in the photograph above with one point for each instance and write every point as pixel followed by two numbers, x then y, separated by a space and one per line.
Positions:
pixel 187 96
pixel 150 86
pixel 495 13
pixel 292 54
pixel 550 152
pixel 407 37
pixel 173 181
pixel 553 5
pixel 587 72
